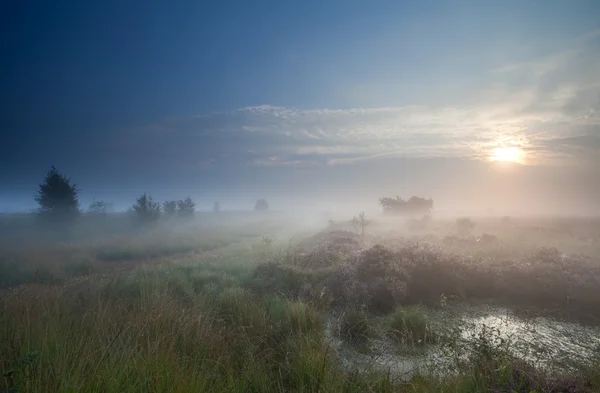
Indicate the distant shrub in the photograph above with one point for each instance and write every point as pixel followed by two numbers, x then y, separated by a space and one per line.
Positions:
pixel 98 208
pixel 145 211
pixel 415 206
pixel 186 208
pixel 360 224
pixel 170 208
pixel 57 198
pixel 464 225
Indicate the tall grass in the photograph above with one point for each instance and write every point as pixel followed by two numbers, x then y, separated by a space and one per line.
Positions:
pixel 409 325
pixel 224 322
pixel 154 330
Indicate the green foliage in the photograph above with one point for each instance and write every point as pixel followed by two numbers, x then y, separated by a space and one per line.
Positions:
pixel 188 321
pixel 57 198
pixel 170 208
pixel 410 325
pixel 186 208
pixel 18 376
pixel 98 208
pixel 146 211
pixel 354 325
pixel 415 206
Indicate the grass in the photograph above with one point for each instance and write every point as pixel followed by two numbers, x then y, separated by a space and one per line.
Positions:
pixel 355 326
pixel 151 330
pixel 225 319
pixel 409 325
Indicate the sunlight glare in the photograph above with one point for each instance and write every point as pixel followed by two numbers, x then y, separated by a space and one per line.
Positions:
pixel 507 154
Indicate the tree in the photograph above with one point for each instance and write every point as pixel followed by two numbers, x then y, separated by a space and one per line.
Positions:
pixel 186 208
pixel 145 211
pixel 415 206
pixel 361 223
pixel 98 208
pixel 170 208
pixel 261 205
pixel 58 198
pixel 216 207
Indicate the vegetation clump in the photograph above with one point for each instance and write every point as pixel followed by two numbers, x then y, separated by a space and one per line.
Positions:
pixel 145 211
pixel 414 206
pixel 58 198
pixel 375 279
pixel 409 325
pixel 354 325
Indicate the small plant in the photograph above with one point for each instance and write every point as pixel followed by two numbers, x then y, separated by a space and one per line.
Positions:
pixel 360 224
pixel 410 326
pixel 354 325
pixel 18 376
pixel 170 208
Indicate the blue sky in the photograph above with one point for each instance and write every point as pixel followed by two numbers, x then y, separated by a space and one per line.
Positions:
pixel 302 100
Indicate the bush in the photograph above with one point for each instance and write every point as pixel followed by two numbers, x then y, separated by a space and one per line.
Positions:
pixel 170 208
pixel 376 280
pixel 415 206
pixel 145 211
pixel 98 208
pixel 409 326
pixel 186 208
pixel 57 198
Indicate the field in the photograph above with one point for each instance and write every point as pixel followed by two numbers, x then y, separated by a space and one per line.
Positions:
pixel 244 302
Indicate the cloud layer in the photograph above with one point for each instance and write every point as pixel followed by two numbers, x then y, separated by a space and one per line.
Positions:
pixel 549 107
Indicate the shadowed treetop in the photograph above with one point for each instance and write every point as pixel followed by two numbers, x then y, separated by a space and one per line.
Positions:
pixel 57 197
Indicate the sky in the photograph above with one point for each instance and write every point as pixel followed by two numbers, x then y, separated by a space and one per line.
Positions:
pixel 305 103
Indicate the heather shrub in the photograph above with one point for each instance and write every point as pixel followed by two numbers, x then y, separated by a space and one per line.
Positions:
pixel 376 280
pixel 327 249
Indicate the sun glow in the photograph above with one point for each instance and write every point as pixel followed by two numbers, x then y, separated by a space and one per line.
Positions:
pixel 507 154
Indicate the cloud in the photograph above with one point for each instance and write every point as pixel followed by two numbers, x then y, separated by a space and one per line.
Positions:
pixel 549 107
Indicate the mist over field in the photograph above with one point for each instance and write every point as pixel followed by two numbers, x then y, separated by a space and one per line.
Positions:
pixel 316 196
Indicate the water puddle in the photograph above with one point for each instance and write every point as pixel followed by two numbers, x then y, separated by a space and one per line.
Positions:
pixel 545 342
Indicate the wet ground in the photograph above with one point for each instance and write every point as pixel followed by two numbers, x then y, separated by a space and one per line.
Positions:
pixel 544 342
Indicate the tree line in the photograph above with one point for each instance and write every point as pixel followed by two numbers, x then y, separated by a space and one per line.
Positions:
pixel 58 202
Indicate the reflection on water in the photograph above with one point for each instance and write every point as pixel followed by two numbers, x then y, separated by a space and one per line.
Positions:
pixel 542 341
pixel 545 342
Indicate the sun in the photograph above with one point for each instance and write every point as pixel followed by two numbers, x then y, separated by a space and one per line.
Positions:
pixel 507 154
